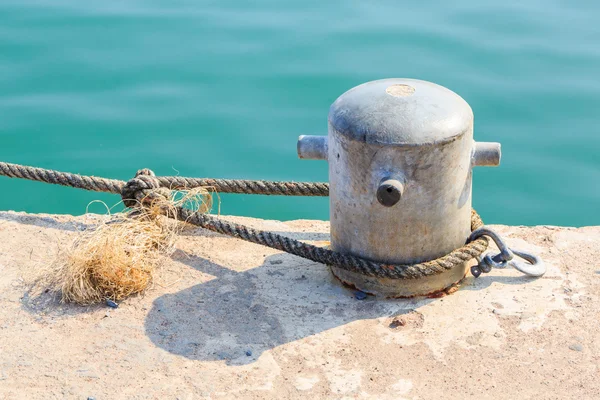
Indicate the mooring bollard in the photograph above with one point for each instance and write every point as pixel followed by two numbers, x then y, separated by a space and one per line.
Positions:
pixel 400 155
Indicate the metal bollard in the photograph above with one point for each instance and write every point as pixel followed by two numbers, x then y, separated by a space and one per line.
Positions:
pixel 400 154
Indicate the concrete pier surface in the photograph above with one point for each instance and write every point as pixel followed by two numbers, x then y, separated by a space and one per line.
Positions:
pixel 230 319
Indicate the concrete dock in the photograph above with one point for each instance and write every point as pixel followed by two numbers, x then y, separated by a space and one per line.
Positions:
pixel 229 319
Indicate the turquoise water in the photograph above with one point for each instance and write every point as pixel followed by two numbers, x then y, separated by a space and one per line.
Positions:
pixel 224 88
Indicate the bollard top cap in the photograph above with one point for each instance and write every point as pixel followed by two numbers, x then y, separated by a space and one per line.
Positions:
pixel 401 112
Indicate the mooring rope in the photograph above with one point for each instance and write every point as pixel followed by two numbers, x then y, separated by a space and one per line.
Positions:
pixel 172 182
pixel 146 188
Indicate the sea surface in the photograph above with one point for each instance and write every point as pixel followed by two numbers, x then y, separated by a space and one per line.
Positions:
pixel 224 88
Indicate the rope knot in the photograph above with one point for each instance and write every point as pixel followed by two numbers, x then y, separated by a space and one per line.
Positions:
pixel 144 189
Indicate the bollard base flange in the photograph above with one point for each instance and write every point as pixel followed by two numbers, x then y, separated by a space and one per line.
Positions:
pixel 402 288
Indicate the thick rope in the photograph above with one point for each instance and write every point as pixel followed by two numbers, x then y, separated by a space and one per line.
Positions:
pixel 61 178
pixel 170 182
pixel 146 188
pixel 333 258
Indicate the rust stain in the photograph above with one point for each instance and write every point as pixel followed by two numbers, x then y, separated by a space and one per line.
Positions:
pixel 437 295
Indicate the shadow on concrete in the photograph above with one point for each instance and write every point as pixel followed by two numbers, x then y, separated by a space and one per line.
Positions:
pixel 237 316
